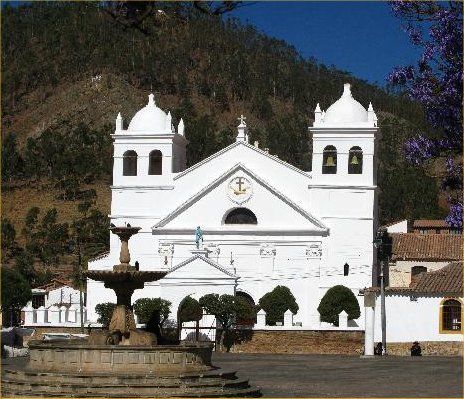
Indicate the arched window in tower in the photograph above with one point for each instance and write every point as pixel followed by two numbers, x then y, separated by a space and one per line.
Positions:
pixel 451 316
pixel 355 161
pixel 129 167
pixel 240 216
pixel 329 160
pixel 155 163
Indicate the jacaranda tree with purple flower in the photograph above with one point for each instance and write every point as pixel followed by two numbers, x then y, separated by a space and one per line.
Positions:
pixel 436 83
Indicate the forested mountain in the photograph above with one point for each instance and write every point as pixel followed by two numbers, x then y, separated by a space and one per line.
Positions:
pixel 68 69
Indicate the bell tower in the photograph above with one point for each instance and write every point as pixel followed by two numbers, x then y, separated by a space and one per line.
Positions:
pixel 344 143
pixel 150 152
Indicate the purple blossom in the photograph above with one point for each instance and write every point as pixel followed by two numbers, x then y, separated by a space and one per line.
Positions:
pixel 454 217
pixel 437 84
pixel 420 148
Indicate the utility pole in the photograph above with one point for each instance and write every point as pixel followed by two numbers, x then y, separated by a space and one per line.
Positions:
pixel 382 308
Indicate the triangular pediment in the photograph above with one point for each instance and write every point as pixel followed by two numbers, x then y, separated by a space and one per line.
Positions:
pixel 274 209
pixel 199 267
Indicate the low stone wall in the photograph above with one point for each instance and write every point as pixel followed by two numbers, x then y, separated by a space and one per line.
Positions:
pixel 76 356
pixel 329 342
pixel 311 342
pixel 429 348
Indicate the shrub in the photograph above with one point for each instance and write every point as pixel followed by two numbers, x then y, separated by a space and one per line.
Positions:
pixel 189 310
pixel 335 300
pixel 153 312
pixel 276 303
pixel 105 311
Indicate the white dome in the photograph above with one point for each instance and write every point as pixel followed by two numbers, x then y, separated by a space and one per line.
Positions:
pixel 149 118
pixel 345 110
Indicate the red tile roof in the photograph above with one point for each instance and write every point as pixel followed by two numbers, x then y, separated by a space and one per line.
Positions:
pixel 55 283
pixel 430 223
pixel 445 281
pixel 426 247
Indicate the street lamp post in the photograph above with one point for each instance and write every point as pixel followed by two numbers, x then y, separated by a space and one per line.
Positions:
pixel 384 246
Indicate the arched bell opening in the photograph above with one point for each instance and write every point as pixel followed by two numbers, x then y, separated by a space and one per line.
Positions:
pixel 355 161
pixel 129 163
pixel 329 160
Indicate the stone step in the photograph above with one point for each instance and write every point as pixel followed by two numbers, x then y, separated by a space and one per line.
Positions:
pixel 32 377
pixel 121 393
pixel 67 385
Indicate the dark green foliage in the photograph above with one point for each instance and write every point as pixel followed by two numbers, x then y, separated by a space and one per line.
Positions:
pixel 276 303
pixel 8 238
pixel 335 300
pixel 189 310
pixel 25 265
pixel 406 192
pixel 91 230
pixel 153 312
pixel 105 311
pixel 12 162
pixel 48 239
pixel 226 309
pixel 69 159
pixel 16 291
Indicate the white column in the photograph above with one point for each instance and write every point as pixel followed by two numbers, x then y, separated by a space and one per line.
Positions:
pixel 63 311
pixel 369 306
pixel 288 318
pixel 72 317
pixel 54 315
pixel 41 315
pixel 28 315
pixel 261 318
pixel 343 320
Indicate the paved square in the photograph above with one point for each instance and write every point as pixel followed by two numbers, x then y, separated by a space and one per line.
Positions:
pixel 347 376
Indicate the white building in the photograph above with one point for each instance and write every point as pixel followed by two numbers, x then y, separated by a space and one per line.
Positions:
pixel 429 311
pixel 55 304
pixel 265 222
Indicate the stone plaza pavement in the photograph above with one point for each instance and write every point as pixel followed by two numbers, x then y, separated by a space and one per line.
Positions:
pixel 282 375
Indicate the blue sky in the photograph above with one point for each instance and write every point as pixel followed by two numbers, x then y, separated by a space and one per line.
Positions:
pixel 362 37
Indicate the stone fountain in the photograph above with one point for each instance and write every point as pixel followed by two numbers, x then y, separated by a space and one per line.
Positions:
pixel 122 361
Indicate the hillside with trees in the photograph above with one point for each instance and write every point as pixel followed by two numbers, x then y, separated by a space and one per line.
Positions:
pixel 68 69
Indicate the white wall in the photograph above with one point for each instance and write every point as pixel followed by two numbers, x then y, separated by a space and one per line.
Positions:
pixel 399 227
pixel 411 320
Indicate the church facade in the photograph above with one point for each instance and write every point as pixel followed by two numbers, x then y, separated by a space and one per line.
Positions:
pixel 264 222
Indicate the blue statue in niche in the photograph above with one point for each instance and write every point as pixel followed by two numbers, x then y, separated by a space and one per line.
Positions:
pixel 198 237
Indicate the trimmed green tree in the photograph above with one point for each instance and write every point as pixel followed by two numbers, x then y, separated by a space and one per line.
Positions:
pixel 276 303
pixel 189 310
pixel 153 312
pixel 105 311
pixel 16 292
pixel 335 300
pixel 226 309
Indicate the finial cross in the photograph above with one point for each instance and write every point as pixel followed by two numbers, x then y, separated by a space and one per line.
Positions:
pixel 242 119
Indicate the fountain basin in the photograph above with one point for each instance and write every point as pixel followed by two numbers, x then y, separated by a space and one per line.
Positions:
pixel 80 357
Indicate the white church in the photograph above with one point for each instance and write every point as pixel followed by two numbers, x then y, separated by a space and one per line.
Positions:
pixel 264 222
